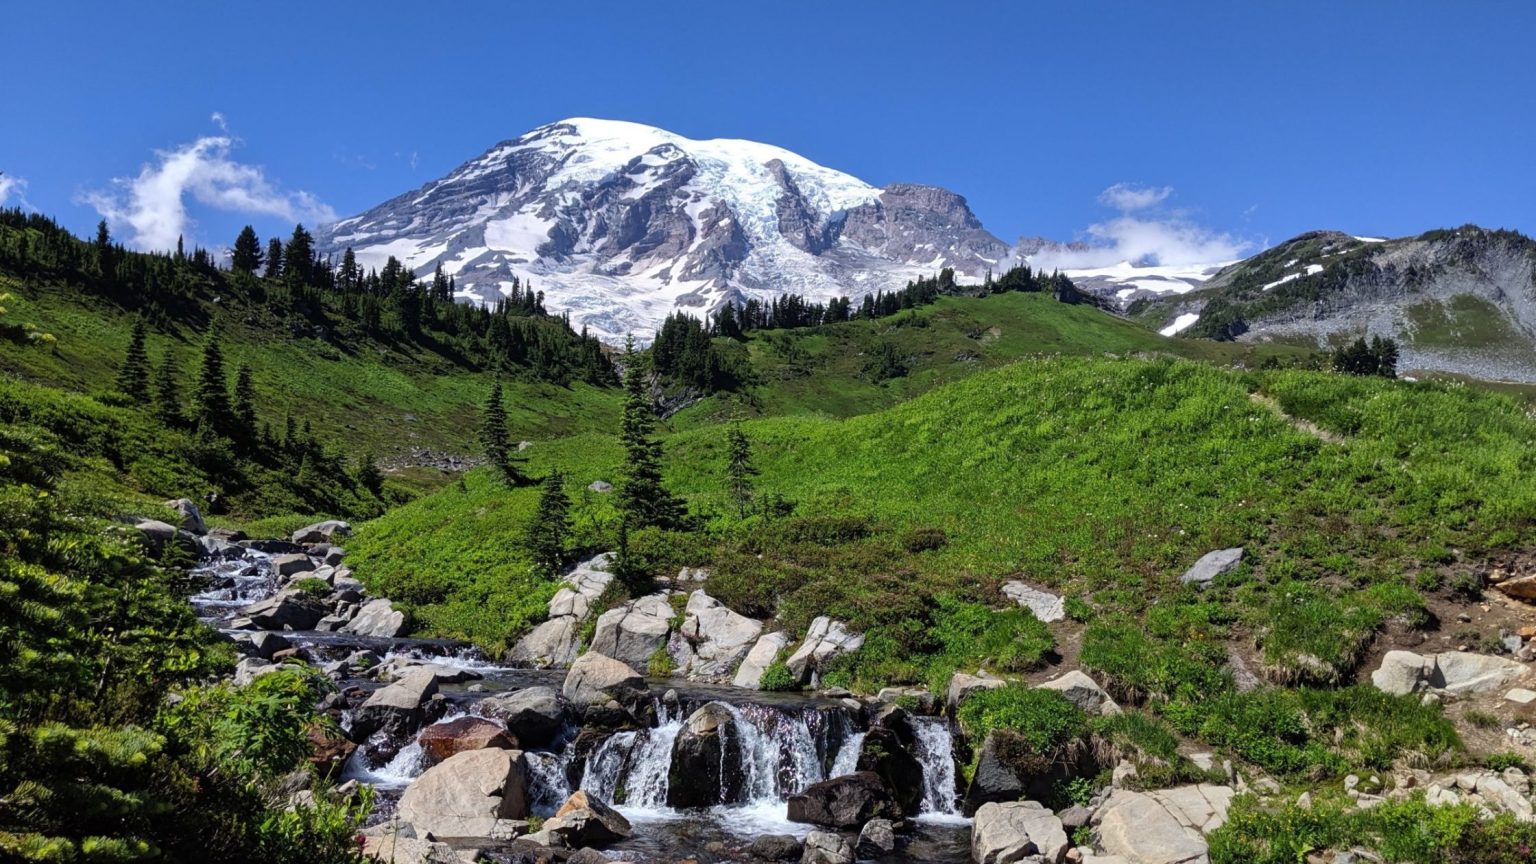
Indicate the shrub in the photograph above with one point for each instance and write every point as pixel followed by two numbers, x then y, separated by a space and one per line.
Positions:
pixel 778 679
pixel 660 664
pixel 1044 719
pixel 1134 666
pixel 313 586
pixel 923 539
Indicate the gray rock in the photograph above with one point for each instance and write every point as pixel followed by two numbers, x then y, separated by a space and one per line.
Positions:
pixel 265 644
pixel 284 566
pixel 825 640
pixel 397 709
pixel 1013 831
pixel 1138 828
pixel 706 760
pixel 844 802
pixel 534 715
pixel 876 838
pixel 586 820
pixel 377 618
pixel 476 793
pixel 553 644
pixel 1454 672
pixel 715 638
pixel 595 679
pixel 775 847
pixel 600 486
pixel 1047 607
pixel 631 633
pixel 251 668
pixel 962 685
pixel 1213 564
pixel 824 847
pixel 322 532
pixel 191 518
pixel 767 647
pixel 1201 807
pixel 334 556
pixel 285 610
pixel 397 848
pixel 1084 692
pixel 156 533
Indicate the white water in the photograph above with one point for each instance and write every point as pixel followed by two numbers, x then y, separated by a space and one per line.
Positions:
pixel 847 760
pixel 935 750
pixel 250 579
pixel 398 772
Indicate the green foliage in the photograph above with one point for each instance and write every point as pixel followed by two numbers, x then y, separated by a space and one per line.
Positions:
pixel 1136 666
pixel 1358 358
pixel 133 377
pixel 550 531
pixel 1044 719
pixel 311 585
pixel 643 499
pixel 1503 761
pixel 778 679
pixel 660 664
pixel 739 469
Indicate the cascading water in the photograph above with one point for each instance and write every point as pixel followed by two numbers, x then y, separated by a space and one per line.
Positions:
pixel 847 760
pixel 935 751
pixel 234 583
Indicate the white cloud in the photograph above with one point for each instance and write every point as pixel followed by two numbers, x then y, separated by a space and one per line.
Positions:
pixel 9 186
pixel 1157 237
pixel 1126 197
pixel 152 205
pixel 218 120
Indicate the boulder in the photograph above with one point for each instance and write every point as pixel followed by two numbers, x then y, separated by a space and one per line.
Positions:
pixel 395 848
pixel 284 566
pixel 322 532
pixel 1401 672
pixel 1520 588
pixel 706 766
pixel 885 754
pixel 1138 828
pixel 764 651
pixel 775 847
pixel 716 638
pixel 994 780
pixel 191 519
pixel 631 633
pixel 921 701
pixel 328 753
pixel 377 618
pixel 334 556
pixel 156 533
pixel 1211 565
pixel 600 486
pixel 825 640
pixel 844 802
pixel 825 847
pixel 1084 692
pixel 585 820
pixel 285 610
pixel 1014 831
pixel 535 715
pixel 251 668
pixel 472 794
pixel 594 679
pixel 442 741
pixel 552 644
pixel 1047 607
pixel 396 668
pixel 876 838
pixel 1201 807
pixel 962 685
pixel 1455 672
pixel 264 644
pixel 396 709
pixel 587 855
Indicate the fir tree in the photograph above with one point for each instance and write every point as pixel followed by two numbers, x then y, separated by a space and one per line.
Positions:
pixel 643 499
pixel 298 256
pixel 210 407
pixel 493 437
pixel 243 408
pixel 551 527
pixel 168 391
pixel 274 258
pixel 133 377
pixel 369 476
pixel 247 253
pixel 739 469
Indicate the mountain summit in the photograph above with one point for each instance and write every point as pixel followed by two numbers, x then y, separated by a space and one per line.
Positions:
pixel 620 224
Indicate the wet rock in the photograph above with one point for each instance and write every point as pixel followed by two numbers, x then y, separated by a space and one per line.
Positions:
pixel 441 741
pixel 824 847
pixel 775 847
pixel 264 644
pixel 631 633
pixel 962 685
pixel 1211 565
pixel 884 754
pixel 1047 607
pixel 587 855
pixel 586 820
pixel 476 793
pixel 285 610
pixel 844 802
pixel 825 640
pixel 1139 828
pixel 922 701
pixel 764 651
pixel 377 618
pixel 191 519
pixel 397 709
pixel 1084 692
pixel 706 764
pixel 284 566
pixel 534 715
pixel 328 753
pixel 876 838
pixel 322 532
pixel 716 639
pixel 1016 830
pixel 594 679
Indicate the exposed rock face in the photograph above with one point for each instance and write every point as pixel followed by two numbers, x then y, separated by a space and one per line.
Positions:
pixel 595 679
pixel 962 685
pixel 395 849
pixel 1211 565
pixel 844 802
pixel 191 517
pixel 767 647
pixel 534 715
pixel 633 632
pixel 1006 833
pixel 824 847
pixel 602 214
pixel 285 610
pixel 715 638
pixel 1008 769
pixel 586 820
pixel 322 532
pixel 555 643
pixel 472 794
pixel 884 754
pixel 706 760
pixel 825 640
pixel 377 618
pixel 1084 692
pixel 1047 607
pixel 1139 828
pixel 1201 807
pixel 444 740
pixel 775 847
pixel 876 838
pixel 397 708
pixel 1403 672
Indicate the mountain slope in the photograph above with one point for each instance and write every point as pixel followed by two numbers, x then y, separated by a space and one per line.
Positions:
pixel 1461 301
pixel 620 224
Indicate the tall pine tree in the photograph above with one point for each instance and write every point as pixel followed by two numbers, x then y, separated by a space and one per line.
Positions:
pixel 643 499
pixel 493 437
pixel 550 530
pixel 243 409
pixel 133 377
pixel 168 391
pixel 739 469
pixel 210 404
pixel 274 259
pixel 247 253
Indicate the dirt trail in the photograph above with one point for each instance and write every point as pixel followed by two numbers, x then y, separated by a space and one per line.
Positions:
pixel 1298 423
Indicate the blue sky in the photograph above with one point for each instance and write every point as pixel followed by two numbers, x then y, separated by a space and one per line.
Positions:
pixel 1260 119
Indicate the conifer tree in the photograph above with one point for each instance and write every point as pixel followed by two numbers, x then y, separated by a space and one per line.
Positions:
pixel 210 406
pixel 643 499
pixel 298 256
pixel 243 409
pixel 133 377
pixel 493 437
pixel 550 529
pixel 739 469
pixel 274 258
pixel 168 391
pixel 369 476
pixel 247 253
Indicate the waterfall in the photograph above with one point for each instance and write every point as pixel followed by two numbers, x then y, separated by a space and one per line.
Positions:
pixel 847 760
pixel 650 761
pixel 935 750
pixel 547 786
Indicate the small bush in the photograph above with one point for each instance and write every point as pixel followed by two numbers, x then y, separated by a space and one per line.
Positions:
pixel 661 664
pixel 778 679
pixel 1502 761
pixel 312 586
pixel 924 539
pixel 1044 719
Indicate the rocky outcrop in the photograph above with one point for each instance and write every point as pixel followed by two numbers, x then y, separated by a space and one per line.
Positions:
pixel 775 847
pixel 1450 672
pixel 555 643
pixel 322 532
pixel 377 618
pixel 585 820
pixel 1139 828
pixel 844 802
pixel 473 794
pixel 444 740
pixel 885 754
pixel 715 639
pixel 1082 691
pixel 706 766
pixel 1015 831
pixel 396 709
pixel 1211 565
pixel 1201 807
pixel 825 640
pixel 635 631
pixel 595 679
pixel 393 848
pixel 764 651
pixel 534 716
pixel 285 610
pixel 962 685
pixel 1047 607
pixel 876 838
pixel 190 518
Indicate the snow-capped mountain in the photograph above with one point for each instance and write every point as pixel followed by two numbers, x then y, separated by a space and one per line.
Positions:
pixel 620 224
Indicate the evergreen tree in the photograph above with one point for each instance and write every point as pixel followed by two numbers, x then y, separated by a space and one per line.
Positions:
pixel 133 377
pixel 106 258
pixel 643 499
pixel 298 256
pixel 210 405
pixel 493 437
pixel 274 258
pixel 247 253
pixel 551 527
pixel 243 408
pixel 369 476
pixel 739 469
pixel 168 391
